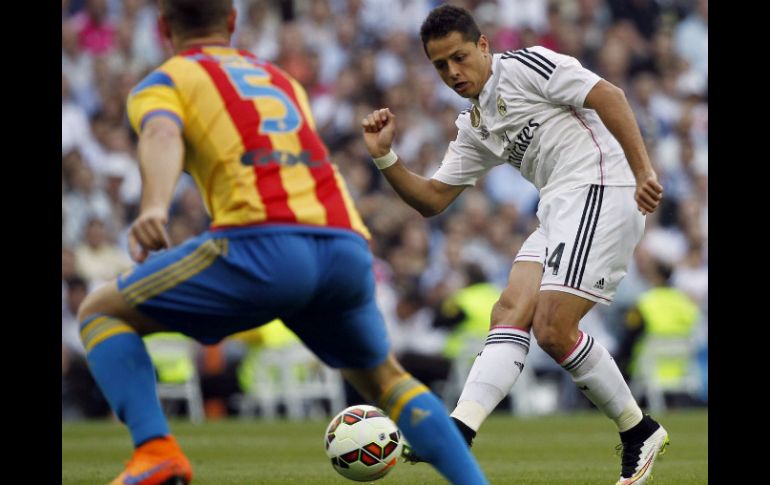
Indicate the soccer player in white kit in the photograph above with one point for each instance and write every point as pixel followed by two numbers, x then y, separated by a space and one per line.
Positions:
pixel 574 136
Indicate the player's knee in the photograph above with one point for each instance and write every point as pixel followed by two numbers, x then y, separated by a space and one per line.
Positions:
pixel 547 337
pixel 552 335
pixel 90 306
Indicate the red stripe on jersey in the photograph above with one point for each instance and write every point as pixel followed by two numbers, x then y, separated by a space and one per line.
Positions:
pixel 244 114
pixel 328 192
pixel 330 196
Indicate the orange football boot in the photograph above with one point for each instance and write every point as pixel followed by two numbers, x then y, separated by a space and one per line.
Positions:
pixel 159 461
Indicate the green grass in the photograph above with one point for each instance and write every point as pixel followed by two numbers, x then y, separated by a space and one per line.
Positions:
pixel 570 449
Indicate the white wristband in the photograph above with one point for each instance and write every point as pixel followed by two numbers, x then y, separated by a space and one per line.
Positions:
pixel 386 160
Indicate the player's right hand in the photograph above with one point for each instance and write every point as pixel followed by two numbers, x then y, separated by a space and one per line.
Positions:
pixel 379 131
pixel 148 233
pixel 649 193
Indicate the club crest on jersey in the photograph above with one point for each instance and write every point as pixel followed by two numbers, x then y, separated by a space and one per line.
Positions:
pixel 501 107
pixel 475 116
pixel 484 132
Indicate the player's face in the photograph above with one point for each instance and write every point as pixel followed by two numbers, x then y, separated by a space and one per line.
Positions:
pixel 462 65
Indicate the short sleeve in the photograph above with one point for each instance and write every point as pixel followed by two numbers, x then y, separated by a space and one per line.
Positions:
pixel 570 81
pixel 463 162
pixel 156 95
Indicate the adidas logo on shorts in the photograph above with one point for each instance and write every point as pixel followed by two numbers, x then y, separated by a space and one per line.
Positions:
pixel 599 284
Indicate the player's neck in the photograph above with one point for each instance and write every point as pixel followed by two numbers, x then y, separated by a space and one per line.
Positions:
pixel 486 80
pixel 181 45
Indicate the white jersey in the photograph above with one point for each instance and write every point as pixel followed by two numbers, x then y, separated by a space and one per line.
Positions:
pixel 529 114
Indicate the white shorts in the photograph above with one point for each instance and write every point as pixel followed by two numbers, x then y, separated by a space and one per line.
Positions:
pixel 585 240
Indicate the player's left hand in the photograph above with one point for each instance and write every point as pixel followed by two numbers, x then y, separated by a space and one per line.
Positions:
pixel 649 193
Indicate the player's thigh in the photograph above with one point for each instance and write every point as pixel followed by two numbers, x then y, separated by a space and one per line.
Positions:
pixel 516 305
pixel 354 338
pixel 342 323
pixel 590 236
pixel 218 284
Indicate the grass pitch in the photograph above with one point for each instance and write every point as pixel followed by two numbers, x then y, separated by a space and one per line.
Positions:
pixel 574 449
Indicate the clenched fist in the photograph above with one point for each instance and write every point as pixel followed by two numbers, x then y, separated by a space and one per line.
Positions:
pixel 379 130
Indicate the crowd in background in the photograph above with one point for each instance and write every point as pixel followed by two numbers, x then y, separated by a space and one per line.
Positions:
pixel 353 56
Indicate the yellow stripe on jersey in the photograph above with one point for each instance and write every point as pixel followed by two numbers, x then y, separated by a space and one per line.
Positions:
pixel 302 199
pixel 355 218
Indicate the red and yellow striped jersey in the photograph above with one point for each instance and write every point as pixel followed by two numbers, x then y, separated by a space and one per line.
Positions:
pixel 250 140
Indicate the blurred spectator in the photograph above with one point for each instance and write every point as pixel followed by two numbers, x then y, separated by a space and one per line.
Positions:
pixel 416 342
pixel 644 14
pixel 75 127
pixel 76 288
pixel 258 33
pixel 97 259
pixel 147 49
pixel 691 276
pixel 77 67
pixel 662 313
pixel 523 14
pixel 691 39
pixel 466 313
pixel 96 33
pixel 84 200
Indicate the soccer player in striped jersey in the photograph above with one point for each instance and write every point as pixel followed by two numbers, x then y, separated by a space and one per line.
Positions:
pixel 285 242
pixel 573 135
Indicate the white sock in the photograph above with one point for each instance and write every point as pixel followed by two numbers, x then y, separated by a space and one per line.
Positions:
pixel 493 374
pixel 595 373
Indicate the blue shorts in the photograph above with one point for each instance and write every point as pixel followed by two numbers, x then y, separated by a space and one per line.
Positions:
pixel 319 282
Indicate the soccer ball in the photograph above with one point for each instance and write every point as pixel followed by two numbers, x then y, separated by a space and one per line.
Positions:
pixel 363 443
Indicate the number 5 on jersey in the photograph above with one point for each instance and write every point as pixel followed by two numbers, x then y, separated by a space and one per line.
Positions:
pixel 273 122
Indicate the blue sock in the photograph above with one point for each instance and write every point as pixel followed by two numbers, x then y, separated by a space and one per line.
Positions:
pixel 425 423
pixel 122 367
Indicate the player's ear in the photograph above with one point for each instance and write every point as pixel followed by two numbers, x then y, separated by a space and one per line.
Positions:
pixel 231 21
pixel 163 27
pixel 483 44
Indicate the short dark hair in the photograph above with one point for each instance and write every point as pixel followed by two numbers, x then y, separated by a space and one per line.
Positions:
pixel 446 19
pixel 196 17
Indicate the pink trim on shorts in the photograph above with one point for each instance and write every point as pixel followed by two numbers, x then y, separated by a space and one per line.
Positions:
pixel 580 339
pixel 577 289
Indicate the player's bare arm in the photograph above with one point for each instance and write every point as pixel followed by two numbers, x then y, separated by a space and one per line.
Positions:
pixel 161 154
pixel 612 107
pixel 428 196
